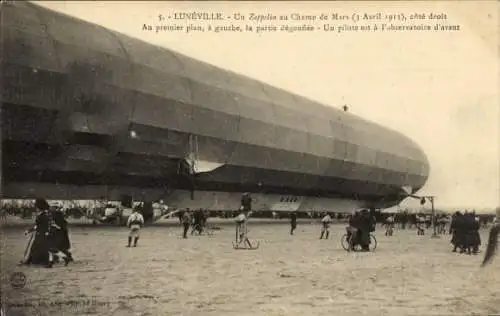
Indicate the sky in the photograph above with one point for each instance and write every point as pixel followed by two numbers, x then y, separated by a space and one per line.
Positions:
pixel 438 88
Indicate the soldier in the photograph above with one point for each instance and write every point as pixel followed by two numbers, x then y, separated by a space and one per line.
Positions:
pixel 186 222
pixel 134 222
pixel 325 227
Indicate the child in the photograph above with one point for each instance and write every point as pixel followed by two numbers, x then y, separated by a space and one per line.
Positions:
pixel 389 226
pixel 134 222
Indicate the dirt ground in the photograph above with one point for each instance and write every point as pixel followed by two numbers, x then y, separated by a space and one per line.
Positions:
pixel 287 275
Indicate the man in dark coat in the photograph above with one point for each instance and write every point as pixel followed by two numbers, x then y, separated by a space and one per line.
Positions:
pixel 198 222
pixel 186 222
pixel 365 226
pixel 476 237
pixel 471 238
pixel 456 230
pixel 293 222
pixel 246 202
pixel 354 222
pixel 60 236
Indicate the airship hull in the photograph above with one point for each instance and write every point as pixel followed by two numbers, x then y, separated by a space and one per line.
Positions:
pixel 85 107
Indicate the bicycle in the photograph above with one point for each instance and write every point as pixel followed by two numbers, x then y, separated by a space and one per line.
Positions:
pixel 210 229
pixel 347 243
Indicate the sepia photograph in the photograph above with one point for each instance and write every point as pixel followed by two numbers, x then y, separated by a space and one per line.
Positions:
pixel 206 158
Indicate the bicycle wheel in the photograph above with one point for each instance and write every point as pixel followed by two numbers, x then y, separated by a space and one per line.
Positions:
pixel 344 241
pixel 373 243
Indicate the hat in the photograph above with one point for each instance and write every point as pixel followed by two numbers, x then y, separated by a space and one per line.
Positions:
pixel 42 204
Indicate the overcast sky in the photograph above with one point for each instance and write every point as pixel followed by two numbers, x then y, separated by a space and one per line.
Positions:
pixel 438 88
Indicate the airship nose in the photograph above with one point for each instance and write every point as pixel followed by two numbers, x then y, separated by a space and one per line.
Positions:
pixel 424 165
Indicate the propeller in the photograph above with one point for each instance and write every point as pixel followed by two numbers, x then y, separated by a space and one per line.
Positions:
pixel 408 192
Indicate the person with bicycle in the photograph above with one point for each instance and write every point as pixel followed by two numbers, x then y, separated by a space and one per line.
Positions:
pixel 360 227
pixel 241 219
pixel 197 222
pixel 352 230
pixel 370 221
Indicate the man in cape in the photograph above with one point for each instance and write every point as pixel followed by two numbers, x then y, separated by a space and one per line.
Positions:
pixel 60 235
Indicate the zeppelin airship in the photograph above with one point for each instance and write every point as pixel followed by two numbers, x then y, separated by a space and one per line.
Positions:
pixel 89 113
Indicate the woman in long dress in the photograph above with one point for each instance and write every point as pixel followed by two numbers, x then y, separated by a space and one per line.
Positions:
pixel 39 250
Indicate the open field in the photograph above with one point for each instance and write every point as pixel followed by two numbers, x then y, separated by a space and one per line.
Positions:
pixel 14 221
pixel 288 275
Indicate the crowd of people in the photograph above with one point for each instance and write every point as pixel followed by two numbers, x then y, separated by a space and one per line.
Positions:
pixel 465 233
pixel 49 237
pixel 50 241
pixel 196 219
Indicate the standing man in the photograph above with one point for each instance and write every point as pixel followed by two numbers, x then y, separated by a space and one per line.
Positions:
pixel 293 222
pixel 198 222
pixel 325 221
pixel 241 226
pixel 134 222
pixel 186 222
pixel 364 229
pixel 61 235
pixel 241 219
pixel 246 202
pixel 389 225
